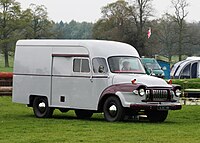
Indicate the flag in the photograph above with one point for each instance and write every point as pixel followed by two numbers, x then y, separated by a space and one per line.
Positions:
pixel 149 33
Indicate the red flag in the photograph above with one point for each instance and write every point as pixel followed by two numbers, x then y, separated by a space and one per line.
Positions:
pixel 149 33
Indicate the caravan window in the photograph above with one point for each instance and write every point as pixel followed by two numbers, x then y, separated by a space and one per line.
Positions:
pixel 194 70
pixel 81 65
pixel 186 72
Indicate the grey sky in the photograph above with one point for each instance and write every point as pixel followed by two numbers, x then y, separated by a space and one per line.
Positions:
pixel 90 10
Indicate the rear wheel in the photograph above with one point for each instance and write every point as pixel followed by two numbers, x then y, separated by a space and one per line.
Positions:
pixel 113 110
pixel 41 108
pixel 157 116
pixel 83 114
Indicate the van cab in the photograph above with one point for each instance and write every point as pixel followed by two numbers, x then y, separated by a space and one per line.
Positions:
pixel 89 76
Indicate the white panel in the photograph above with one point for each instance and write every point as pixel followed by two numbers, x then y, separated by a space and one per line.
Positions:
pixel 24 86
pixel 61 86
pixel 62 66
pixel 33 60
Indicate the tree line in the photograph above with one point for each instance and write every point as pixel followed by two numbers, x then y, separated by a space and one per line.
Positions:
pixel 125 21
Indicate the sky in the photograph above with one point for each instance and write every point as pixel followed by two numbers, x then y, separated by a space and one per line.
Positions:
pixel 90 10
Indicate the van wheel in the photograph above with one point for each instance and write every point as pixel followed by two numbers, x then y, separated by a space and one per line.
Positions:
pixel 41 108
pixel 157 116
pixel 83 114
pixel 113 110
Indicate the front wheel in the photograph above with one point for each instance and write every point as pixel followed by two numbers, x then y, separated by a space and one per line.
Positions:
pixel 41 108
pixel 113 109
pixel 157 116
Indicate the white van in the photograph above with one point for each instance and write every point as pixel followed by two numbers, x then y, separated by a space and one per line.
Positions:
pixel 89 76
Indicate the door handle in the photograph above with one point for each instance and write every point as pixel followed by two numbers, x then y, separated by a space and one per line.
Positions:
pixel 91 79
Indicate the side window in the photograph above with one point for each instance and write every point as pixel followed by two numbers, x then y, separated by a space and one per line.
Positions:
pixel 81 65
pixel 76 65
pixel 85 66
pixel 99 65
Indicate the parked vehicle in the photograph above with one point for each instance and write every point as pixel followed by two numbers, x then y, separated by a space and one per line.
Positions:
pixel 89 76
pixel 186 69
pixel 154 68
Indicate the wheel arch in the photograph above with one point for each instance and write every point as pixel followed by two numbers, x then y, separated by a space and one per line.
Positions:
pixel 104 98
pixel 32 97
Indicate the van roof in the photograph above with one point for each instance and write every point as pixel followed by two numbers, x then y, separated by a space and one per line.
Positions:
pixel 95 47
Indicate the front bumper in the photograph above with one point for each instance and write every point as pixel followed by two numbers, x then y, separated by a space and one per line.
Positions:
pixel 155 107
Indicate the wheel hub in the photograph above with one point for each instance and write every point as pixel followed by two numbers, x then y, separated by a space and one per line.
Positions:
pixel 112 110
pixel 42 106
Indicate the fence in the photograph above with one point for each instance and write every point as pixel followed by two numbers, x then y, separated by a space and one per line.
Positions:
pixel 6 83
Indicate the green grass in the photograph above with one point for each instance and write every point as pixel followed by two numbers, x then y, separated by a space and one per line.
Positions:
pixel 2 67
pixel 18 124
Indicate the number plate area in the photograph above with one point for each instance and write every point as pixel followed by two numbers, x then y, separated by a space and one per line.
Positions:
pixel 163 108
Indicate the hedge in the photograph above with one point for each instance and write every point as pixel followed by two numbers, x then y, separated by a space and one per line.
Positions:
pixel 188 83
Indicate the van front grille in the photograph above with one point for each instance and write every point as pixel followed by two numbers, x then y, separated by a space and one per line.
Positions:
pixel 158 95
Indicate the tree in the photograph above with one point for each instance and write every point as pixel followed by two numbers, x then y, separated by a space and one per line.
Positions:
pixel 140 11
pixel 38 25
pixel 9 19
pixel 179 17
pixel 167 35
pixel 125 21
pixel 114 23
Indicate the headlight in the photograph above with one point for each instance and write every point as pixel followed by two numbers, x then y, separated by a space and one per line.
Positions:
pixel 141 92
pixel 178 92
pixel 135 92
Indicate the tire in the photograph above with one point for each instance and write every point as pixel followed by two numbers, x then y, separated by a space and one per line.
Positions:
pixel 113 110
pixel 157 116
pixel 83 114
pixel 41 108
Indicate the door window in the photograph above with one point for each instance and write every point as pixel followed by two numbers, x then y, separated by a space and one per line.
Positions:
pixel 99 65
pixel 81 65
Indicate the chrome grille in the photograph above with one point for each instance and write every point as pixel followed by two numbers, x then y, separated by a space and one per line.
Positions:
pixel 157 95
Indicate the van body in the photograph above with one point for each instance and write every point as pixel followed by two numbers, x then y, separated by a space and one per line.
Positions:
pixel 89 76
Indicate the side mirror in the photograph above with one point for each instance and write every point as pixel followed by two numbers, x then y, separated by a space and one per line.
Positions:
pixel 101 69
pixel 151 72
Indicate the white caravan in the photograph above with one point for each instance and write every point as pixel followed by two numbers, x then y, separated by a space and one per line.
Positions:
pixel 89 76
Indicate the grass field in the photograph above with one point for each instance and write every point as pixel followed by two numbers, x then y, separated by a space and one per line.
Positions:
pixel 18 125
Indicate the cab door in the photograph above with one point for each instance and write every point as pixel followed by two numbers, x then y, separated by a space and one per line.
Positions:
pixel 100 78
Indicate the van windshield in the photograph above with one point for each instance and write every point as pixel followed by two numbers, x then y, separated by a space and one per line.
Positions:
pixel 126 65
